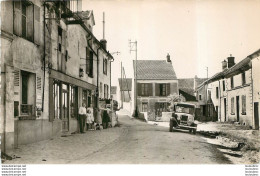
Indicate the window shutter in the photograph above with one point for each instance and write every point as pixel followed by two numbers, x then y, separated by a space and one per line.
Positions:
pixel 150 89
pixel 29 16
pixel 173 88
pixel 39 91
pixel 87 60
pixel 17 18
pixel 157 89
pixel 168 89
pixel 51 103
pixel 37 25
pixel 139 89
pixel 16 92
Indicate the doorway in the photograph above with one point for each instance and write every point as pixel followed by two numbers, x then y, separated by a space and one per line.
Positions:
pixel 237 105
pixel 225 109
pixel 65 112
pixel 256 115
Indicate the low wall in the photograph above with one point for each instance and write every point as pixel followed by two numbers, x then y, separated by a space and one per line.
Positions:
pixel 30 131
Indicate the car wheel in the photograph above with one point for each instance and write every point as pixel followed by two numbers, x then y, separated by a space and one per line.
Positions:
pixel 171 126
pixel 194 131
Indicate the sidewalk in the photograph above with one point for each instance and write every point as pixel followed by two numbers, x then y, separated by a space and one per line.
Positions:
pixel 65 150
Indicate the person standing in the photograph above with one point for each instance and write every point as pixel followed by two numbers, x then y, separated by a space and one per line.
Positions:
pixel 82 117
pixel 106 118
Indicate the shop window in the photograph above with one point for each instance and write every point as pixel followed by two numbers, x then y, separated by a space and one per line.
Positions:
pixel 243 105
pixel 73 102
pixel 56 97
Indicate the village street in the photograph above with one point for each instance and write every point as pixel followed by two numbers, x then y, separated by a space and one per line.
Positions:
pixel 134 142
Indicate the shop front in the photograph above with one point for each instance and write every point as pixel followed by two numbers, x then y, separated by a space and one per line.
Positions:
pixel 66 96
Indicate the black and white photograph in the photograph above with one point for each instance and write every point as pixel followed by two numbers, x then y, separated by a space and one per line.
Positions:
pixel 130 82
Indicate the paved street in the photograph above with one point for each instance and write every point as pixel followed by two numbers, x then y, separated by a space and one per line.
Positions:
pixel 134 142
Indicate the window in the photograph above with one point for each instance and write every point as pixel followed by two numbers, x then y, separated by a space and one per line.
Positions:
pixel 232 106
pixel 144 89
pixel 105 91
pixel 162 89
pixel 243 105
pixel 209 95
pixel 89 61
pixel 59 38
pixel 100 88
pixel 105 66
pixel 224 86
pixel 73 102
pixel 27 20
pixel 200 98
pixel 232 82
pixel 144 107
pixel 217 93
pixel 243 77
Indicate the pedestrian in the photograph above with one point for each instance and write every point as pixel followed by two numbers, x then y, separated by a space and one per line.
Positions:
pixel 106 118
pixel 82 117
pixel 90 120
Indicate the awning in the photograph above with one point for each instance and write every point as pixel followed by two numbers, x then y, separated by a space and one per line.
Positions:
pixel 71 80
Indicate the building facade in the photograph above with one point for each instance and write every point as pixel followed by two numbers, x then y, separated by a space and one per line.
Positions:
pixel 157 84
pixel 48 71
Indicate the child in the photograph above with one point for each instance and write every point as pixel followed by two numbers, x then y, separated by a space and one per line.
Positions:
pixel 89 120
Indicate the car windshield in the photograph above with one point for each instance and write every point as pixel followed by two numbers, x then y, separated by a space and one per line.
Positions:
pixel 182 109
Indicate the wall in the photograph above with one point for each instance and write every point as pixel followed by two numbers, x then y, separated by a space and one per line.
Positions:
pixel 240 90
pixel 256 82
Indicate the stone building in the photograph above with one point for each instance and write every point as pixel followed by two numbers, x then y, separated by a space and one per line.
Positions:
pixel 48 70
pixel 232 95
pixel 156 84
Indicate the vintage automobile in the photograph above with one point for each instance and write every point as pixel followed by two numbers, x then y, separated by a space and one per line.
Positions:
pixel 183 116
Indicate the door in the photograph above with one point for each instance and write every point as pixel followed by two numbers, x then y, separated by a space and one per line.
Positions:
pixel 237 105
pixel 225 109
pixel 256 115
pixel 65 115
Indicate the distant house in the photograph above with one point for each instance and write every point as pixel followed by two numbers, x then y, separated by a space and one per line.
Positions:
pixel 156 83
pixel 114 92
pixel 187 87
pixel 125 88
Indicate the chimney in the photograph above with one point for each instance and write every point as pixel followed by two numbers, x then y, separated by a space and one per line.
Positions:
pixel 224 65
pixel 231 61
pixel 195 82
pixel 103 41
pixel 168 58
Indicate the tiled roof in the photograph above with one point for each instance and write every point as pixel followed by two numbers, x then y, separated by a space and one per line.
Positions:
pixel 155 70
pixel 125 84
pixel 187 84
pixel 113 89
pixel 188 97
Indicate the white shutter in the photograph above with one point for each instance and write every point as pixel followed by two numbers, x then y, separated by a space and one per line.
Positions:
pixel 16 85
pixel 38 91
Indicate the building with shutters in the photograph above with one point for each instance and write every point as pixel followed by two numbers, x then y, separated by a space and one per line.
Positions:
pixel 232 94
pixel 47 71
pixel 156 83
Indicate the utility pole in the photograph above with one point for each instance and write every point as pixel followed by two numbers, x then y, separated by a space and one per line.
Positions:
pixel 133 47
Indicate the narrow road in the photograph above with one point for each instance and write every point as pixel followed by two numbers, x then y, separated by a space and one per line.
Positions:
pixel 140 143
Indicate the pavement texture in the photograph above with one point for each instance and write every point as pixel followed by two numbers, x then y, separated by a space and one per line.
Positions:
pixel 134 142
pixel 244 141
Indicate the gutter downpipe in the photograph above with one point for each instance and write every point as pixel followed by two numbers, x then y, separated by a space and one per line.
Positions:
pixel 96 54
pixel 43 56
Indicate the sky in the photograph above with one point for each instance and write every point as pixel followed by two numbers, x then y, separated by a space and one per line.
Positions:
pixel 196 34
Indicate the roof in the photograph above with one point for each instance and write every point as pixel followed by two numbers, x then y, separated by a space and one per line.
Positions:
pixel 113 89
pixel 85 15
pixel 187 96
pixel 125 84
pixel 187 84
pixel 155 70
